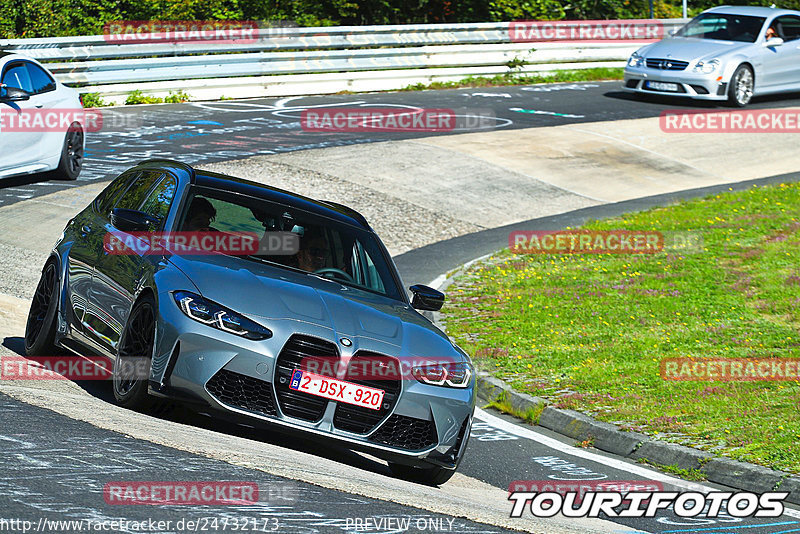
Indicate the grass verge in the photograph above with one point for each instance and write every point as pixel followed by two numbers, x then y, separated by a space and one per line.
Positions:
pixel 581 75
pixel 588 332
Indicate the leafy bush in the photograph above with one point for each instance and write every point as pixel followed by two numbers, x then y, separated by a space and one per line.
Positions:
pixel 93 100
pixel 137 97
pixel 50 18
pixel 177 97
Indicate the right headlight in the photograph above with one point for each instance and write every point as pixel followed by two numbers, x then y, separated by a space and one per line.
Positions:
pixel 635 60
pixel 707 67
pixel 454 375
pixel 212 314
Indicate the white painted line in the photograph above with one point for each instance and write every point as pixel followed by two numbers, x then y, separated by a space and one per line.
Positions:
pixel 439 280
pixel 557 445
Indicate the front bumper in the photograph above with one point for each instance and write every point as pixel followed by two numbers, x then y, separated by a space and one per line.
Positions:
pixel 418 423
pixel 691 85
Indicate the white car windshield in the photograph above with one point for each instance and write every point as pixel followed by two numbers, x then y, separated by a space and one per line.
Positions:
pixel 723 27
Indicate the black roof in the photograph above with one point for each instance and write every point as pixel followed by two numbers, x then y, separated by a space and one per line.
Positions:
pixel 254 189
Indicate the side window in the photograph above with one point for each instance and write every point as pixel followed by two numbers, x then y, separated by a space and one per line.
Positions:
pixel 364 270
pixel 17 76
pixel 788 28
pixel 138 190
pixel 41 82
pixel 158 202
pixel 106 200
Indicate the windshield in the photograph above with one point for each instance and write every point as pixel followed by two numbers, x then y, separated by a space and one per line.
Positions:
pixel 347 254
pixel 723 27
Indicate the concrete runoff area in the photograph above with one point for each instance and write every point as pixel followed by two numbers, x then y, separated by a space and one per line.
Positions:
pixel 421 191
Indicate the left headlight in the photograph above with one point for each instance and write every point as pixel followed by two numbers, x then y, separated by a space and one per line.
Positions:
pixel 220 317
pixel 454 375
pixel 635 60
pixel 707 67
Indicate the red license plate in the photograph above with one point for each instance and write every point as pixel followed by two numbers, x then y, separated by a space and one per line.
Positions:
pixel 338 390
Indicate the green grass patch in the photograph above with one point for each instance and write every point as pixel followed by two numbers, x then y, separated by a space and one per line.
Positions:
pixel 588 332
pixel 687 474
pixel 512 78
pixel 530 415
pixel 93 100
pixel 138 97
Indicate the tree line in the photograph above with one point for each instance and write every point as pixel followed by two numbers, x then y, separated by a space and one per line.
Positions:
pixel 51 18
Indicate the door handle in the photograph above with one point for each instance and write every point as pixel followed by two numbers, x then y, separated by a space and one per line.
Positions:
pixel 86 229
pixel 38 105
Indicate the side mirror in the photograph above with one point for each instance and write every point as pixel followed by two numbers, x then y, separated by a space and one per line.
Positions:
pixel 775 41
pixel 673 31
pixel 426 298
pixel 133 220
pixel 12 94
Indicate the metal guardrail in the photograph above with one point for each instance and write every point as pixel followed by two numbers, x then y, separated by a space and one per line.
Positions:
pixel 287 61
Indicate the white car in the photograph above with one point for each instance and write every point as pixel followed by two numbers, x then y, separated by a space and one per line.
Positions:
pixel 27 88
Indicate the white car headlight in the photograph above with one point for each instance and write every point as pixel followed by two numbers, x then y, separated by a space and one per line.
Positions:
pixel 635 60
pixel 707 67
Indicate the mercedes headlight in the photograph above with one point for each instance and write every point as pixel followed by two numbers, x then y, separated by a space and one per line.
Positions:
pixel 707 67
pixel 635 60
pixel 212 314
pixel 454 375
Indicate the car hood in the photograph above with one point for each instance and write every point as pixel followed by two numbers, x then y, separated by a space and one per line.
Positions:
pixel 264 292
pixel 691 49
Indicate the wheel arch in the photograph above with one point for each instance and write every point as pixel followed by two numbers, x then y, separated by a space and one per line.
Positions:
pixel 746 63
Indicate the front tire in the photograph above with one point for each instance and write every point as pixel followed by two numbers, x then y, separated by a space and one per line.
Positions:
pixel 740 90
pixel 134 354
pixel 40 329
pixel 71 162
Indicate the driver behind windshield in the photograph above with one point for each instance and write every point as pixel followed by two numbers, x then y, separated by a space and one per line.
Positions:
pixel 313 252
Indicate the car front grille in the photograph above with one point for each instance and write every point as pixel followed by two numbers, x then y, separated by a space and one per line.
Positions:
pixel 365 369
pixel 301 352
pixel 406 433
pixel 243 392
pixel 666 64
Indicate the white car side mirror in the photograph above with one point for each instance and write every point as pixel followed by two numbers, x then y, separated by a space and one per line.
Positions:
pixel 775 41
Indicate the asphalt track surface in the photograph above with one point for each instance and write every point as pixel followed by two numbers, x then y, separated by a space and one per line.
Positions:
pixel 205 132
pixel 55 467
